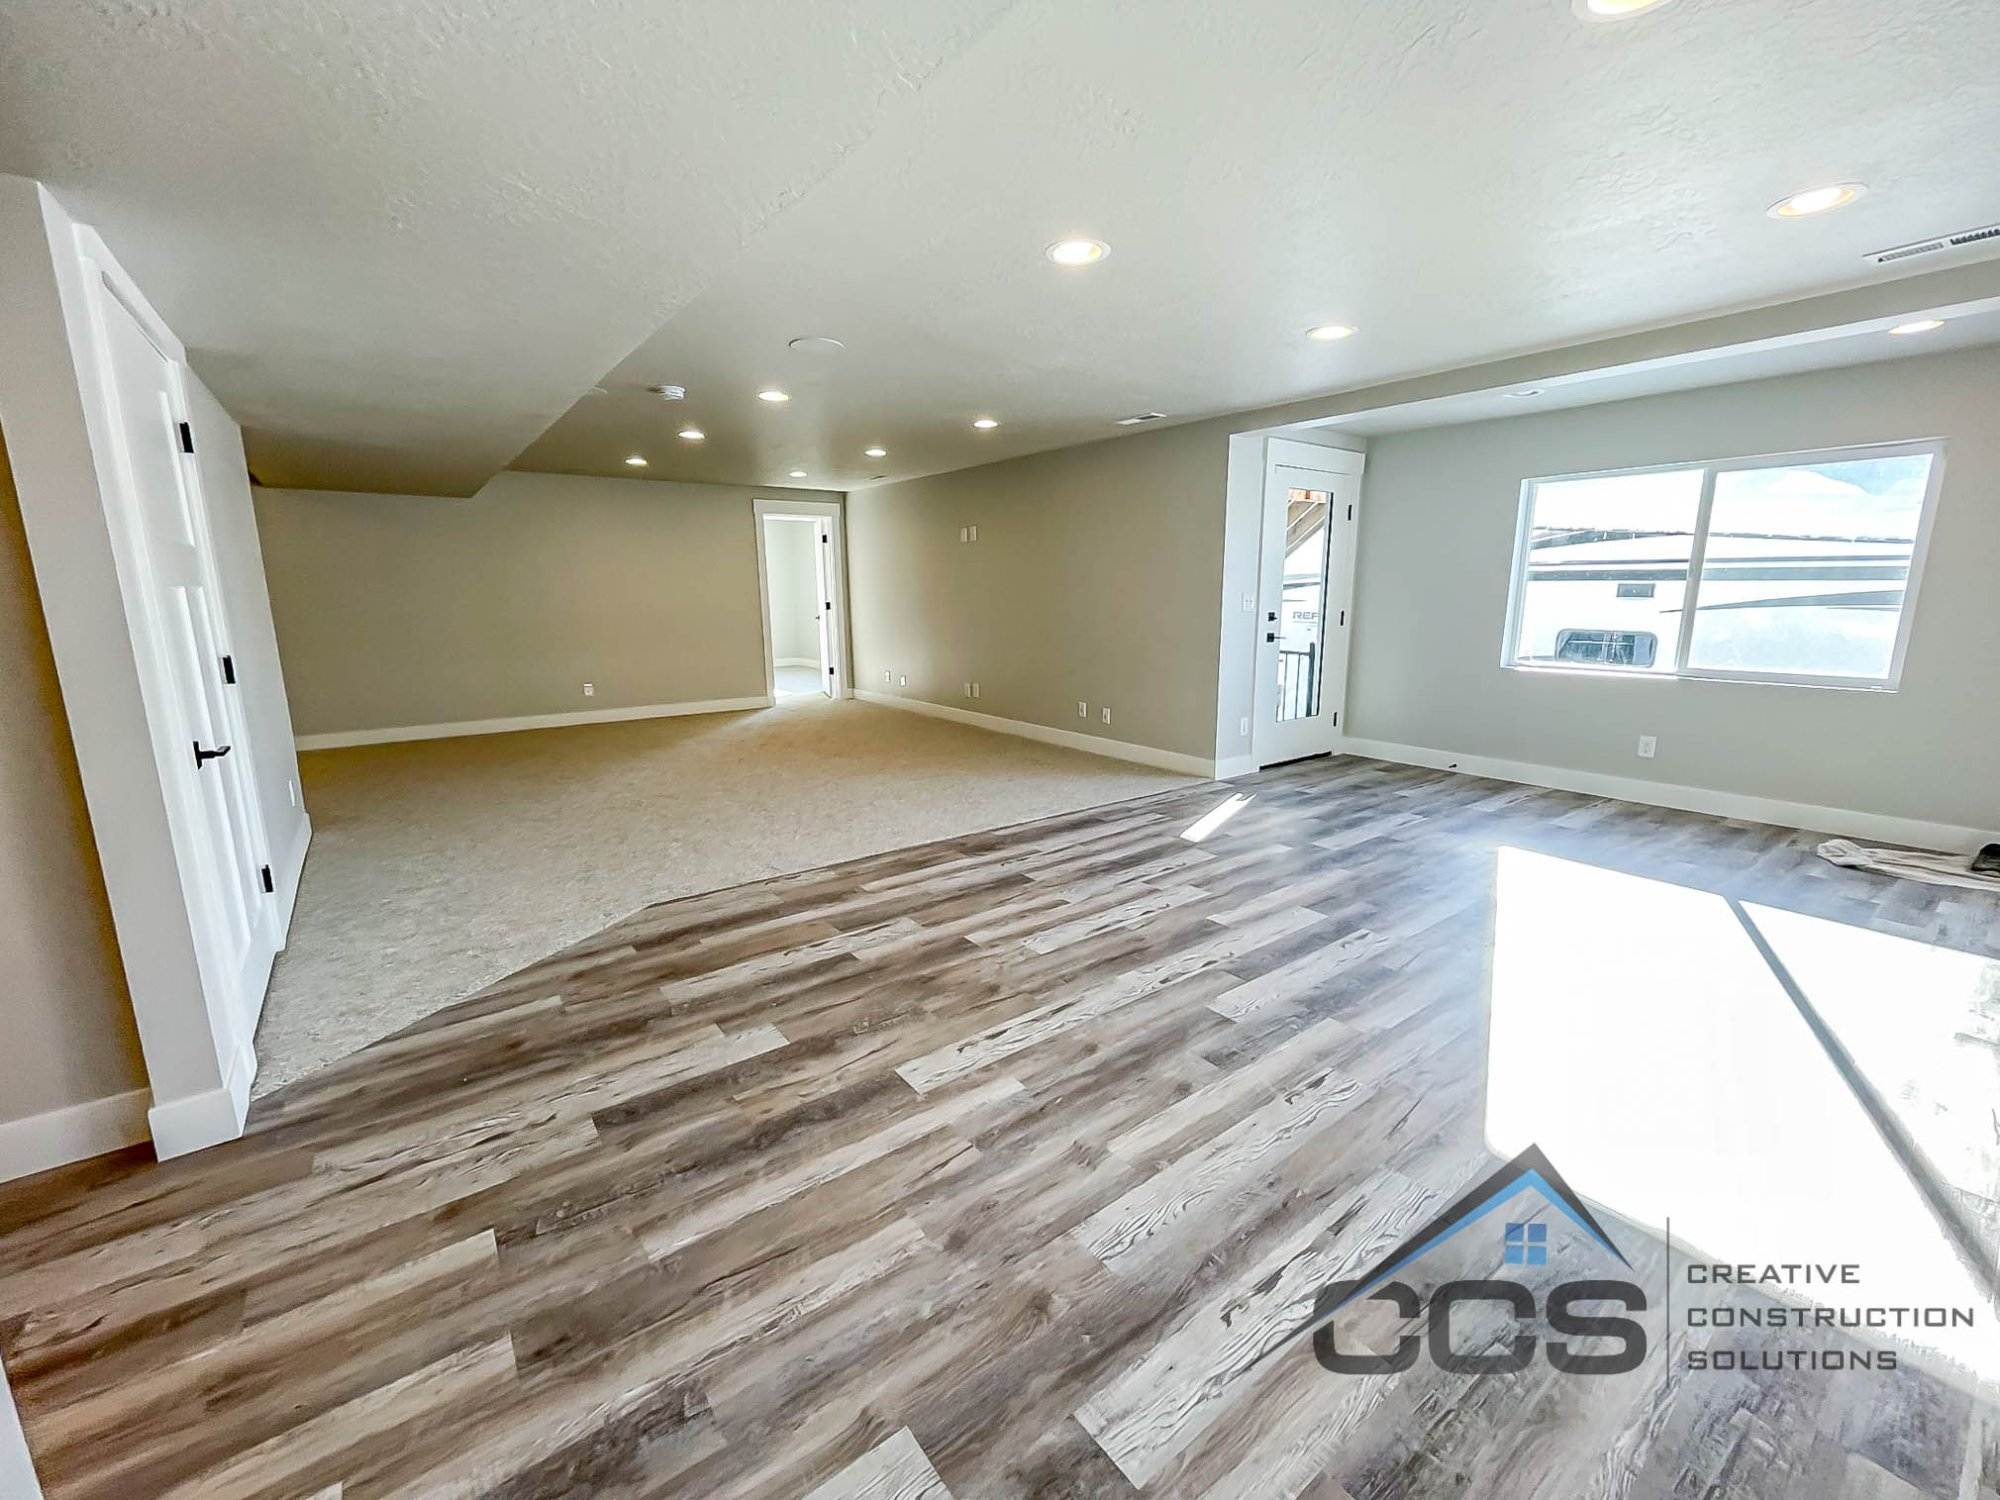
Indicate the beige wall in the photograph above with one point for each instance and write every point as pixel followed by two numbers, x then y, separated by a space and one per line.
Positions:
pixel 1097 575
pixel 1436 549
pixel 397 610
pixel 66 1020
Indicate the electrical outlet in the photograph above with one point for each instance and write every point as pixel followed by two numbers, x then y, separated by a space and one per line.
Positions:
pixel 1107 714
pixel 1249 604
pixel 902 679
pixel 1648 744
pixel 888 677
pixel 974 530
pixel 1243 729
pixel 965 533
pixel 590 690
pixel 1082 709
pixel 967 690
pixel 975 690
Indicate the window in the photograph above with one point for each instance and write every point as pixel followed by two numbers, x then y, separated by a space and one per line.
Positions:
pixel 1799 569
pixel 1526 1244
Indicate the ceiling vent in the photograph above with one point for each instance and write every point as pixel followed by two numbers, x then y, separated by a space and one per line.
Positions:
pixel 1936 246
pixel 669 392
pixel 1141 419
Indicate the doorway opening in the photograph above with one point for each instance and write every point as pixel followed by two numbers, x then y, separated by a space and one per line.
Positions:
pixel 800 571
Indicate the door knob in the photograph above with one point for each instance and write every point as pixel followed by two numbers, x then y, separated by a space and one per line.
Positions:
pixel 202 756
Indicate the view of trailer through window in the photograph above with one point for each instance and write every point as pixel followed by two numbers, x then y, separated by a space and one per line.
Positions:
pixel 1802 568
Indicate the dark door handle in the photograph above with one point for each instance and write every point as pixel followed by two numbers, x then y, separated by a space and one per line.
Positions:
pixel 1270 635
pixel 201 756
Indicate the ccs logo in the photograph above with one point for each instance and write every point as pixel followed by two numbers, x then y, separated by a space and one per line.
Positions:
pixel 1565 1316
pixel 1575 1309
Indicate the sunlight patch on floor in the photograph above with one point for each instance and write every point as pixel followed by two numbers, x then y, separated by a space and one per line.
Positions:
pixel 1640 1039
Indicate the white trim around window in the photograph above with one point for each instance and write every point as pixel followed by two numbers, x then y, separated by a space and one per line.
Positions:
pixel 1679 666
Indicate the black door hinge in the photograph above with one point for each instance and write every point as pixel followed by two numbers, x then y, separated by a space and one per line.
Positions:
pixel 229 670
pixel 264 874
pixel 187 438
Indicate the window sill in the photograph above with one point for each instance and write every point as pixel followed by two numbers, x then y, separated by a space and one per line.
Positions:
pixel 1640 674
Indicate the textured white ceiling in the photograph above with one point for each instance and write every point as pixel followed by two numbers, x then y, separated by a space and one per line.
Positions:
pixel 401 241
pixel 399 237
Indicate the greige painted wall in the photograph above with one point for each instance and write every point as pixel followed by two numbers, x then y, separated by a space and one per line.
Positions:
pixel 397 610
pixel 793 581
pixel 1437 541
pixel 1097 575
pixel 64 1011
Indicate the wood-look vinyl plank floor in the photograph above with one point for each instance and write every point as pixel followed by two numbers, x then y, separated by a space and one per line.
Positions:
pixel 1009 1165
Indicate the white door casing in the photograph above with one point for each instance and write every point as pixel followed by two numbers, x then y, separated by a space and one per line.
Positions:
pixel 181 638
pixel 1301 670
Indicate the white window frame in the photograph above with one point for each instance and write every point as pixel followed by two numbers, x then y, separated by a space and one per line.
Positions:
pixel 1680 670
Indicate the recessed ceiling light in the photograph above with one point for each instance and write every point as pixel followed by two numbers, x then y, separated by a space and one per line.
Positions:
pixel 636 461
pixel 798 473
pixel 875 452
pixel 1917 325
pixel 984 424
pixel 1327 333
pixel 693 434
pixel 816 343
pixel 772 394
pixel 1077 252
pixel 1615 10
pixel 1817 200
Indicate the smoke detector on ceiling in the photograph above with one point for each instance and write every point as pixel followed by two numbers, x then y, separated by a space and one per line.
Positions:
pixel 669 392
pixel 1935 246
pixel 1140 418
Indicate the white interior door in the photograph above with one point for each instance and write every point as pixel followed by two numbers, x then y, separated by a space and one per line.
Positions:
pixel 1304 603
pixel 200 733
pixel 823 605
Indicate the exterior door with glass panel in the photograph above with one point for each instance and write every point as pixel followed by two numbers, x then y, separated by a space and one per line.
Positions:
pixel 1304 605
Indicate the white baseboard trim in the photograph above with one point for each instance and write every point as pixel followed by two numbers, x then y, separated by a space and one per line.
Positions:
pixel 340 740
pixel 206 1119
pixel 76 1132
pixel 1879 827
pixel 1235 765
pixel 796 661
pixel 17 1466
pixel 1091 744
pixel 289 874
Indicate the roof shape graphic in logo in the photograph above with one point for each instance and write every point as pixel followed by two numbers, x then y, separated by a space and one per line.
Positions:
pixel 1530 1169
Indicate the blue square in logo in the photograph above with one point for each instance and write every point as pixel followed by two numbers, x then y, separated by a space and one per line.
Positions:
pixel 1526 1245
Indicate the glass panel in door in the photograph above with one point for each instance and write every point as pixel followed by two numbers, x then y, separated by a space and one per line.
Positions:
pixel 1302 603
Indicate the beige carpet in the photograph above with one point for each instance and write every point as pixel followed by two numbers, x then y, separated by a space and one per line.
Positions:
pixel 439 867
